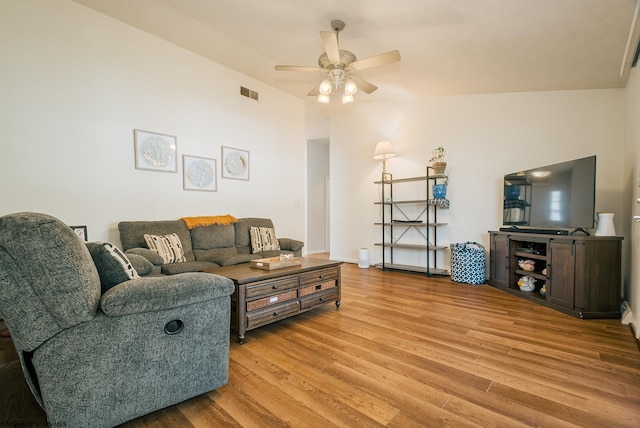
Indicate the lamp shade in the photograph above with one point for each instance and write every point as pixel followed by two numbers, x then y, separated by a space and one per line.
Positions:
pixel 384 150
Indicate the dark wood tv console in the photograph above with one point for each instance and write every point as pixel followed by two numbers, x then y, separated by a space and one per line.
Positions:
pixel 583 274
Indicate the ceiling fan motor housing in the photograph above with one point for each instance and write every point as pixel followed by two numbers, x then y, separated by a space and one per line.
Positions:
pixel 346 58
pixel 337 25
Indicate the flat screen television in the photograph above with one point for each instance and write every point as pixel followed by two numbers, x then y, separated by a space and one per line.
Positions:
pixel 555 197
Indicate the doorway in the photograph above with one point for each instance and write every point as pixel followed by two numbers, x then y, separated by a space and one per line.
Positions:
pixel 318 196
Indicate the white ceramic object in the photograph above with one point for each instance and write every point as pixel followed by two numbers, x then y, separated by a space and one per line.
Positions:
pixel 363 258
pixel 605 225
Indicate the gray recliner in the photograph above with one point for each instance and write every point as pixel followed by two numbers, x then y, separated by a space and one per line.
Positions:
pixel 98 360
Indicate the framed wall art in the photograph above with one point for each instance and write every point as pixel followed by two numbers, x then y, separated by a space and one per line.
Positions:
pixel 155 152
pixel 81 231
pixel 235 163
pixel 199 173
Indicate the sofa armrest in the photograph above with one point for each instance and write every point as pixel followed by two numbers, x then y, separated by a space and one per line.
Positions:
pixel 164 292
pixel 290 244
pixel 140 264
pixel 148 254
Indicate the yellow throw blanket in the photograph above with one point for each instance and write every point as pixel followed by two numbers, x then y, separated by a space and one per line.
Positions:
pixel 193 222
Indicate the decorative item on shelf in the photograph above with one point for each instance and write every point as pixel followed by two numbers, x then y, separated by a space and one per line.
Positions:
pixel 544 271
pixel 605 225
pixel 528 265
pixel 512 192
pixel 384 150
pixel 437 161
pixel 543 290
pixel 439 191
pixel 526 283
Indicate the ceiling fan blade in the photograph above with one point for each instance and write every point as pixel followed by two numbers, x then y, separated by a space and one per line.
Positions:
pixel 330 43
pixel 297 68
pixel 314 92
pixel 373 61
pixel 362 84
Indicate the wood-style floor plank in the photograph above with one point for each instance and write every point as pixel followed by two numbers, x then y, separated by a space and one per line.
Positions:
pixel 405 350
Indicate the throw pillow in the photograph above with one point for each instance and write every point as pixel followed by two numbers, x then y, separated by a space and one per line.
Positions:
pixel 263 239
pixel 113 266
pixel 168 247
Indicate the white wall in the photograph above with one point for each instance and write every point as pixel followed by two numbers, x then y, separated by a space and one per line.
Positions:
pixel 485 136
pixel 632 184
pixel 75 83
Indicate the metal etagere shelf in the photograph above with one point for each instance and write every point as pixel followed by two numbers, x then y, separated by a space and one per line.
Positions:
pixel 396 222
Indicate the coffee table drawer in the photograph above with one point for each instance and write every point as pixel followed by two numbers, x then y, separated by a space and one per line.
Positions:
pixel 310 289
pixel 271 314
pixel 270 287
pixel 319 276
pixel 319 299
pixel 253 305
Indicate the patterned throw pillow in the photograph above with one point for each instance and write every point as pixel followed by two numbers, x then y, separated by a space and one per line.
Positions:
pixel 263 239
pixel 113 266
pixel 168 247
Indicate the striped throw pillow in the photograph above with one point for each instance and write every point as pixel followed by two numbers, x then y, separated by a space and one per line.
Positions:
pixel 263 239
pixel 168 247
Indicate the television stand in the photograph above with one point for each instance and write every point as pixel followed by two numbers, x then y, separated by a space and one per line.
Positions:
pixel 579 230
pixel 578 275
pixel 538 231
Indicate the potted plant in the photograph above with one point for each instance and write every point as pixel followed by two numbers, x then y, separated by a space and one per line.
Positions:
pixel 437 161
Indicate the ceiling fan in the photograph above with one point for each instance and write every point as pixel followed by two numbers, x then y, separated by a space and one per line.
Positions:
pixel 340 66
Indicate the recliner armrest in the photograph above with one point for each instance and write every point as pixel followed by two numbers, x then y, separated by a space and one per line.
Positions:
pixel 164 292
pixel 290 244
pixel 148 254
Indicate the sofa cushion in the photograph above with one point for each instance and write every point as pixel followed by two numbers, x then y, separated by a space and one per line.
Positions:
pixel 234 259
pixel 176 268
pixel 213 236
pixel 243 237
pixel 263 239
pixel 132 234
pixel 169 247
pixel 113 266
pixel 215 254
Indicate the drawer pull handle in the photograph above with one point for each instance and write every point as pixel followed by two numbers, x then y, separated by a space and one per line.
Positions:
pixel 275 314
pixel 275 287
pixel 321 276
pixel 322 299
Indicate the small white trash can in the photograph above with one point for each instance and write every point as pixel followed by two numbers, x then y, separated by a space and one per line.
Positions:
pixel 363 258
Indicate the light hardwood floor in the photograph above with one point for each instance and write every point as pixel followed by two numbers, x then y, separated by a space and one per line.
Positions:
pixel 404 350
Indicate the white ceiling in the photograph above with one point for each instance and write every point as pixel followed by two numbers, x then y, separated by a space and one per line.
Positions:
pixel 447 46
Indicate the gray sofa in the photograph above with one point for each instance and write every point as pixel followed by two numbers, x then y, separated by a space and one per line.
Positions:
pixel 205 247
pixel 96 358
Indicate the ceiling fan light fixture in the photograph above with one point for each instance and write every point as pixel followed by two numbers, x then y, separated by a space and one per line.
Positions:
pixel 324 98
pixel 347 98
pixel 325 87
pixel 350 87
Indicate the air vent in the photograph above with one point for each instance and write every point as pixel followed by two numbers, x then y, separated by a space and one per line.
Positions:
pixel 248 93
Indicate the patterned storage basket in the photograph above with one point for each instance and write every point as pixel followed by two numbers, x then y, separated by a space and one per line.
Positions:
pixel 468 263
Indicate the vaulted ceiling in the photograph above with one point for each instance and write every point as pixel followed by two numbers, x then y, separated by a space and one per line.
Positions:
pixel 447 46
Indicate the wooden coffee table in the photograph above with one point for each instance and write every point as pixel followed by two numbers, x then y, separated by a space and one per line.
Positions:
pixel 265 296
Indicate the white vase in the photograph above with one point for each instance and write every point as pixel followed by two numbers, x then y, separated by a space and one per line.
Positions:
pixel 605 225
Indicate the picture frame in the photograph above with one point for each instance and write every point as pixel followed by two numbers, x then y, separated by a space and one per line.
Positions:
pixel 199 173
pixel 235 163
pixel 81 231
pixel 155 151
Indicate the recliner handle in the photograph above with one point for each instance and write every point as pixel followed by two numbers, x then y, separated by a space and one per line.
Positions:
pixel 174 327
